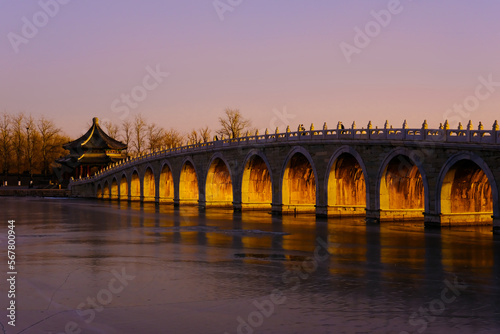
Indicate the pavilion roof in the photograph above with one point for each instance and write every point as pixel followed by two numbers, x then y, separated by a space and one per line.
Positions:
pixel 95 138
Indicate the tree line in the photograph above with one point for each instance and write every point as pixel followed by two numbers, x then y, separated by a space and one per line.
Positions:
pixel 28 144
pixel 141 136
pixel 31 145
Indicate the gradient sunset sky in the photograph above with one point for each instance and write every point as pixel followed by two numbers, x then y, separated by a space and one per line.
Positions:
pixel 280 62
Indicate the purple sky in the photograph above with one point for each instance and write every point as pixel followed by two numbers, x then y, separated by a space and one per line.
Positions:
pixel 271 59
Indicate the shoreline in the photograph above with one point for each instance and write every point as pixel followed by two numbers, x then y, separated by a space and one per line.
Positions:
pixel 20 192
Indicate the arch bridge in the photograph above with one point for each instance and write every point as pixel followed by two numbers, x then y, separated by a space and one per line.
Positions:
pixel 442 176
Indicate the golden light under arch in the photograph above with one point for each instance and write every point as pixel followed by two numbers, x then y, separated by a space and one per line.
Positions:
pixel 402 194
pixel 256 184
pixel 188 184
pixel 299 185
pixel 346 187
pixel 123 188
pixel 218 186
pixel 466 195
pixel 166 185
pixel 135 187
pixel 149 191
pixel 105 190
pixel 114 189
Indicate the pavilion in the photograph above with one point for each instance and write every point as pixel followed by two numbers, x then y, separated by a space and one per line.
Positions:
pixel 91 152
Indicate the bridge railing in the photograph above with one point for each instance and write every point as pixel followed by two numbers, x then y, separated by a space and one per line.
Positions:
pixel 432 135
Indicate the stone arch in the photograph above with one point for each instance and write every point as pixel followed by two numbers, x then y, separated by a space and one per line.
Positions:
pixel 188 183
pixel 166 184
pixel 105 190
pixel 149 185
pixel 99 191
pixel 256 182
pixel 466 191
pixel 135 186
pixel 218 183
pixel 298 182
pixel 123 187
pixel 114 188
pixel 346 183
pixel 402 186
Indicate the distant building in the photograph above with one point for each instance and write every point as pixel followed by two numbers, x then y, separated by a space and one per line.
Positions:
pixel 89 153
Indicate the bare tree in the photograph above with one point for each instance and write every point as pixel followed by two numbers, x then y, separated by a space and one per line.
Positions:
pixel 31 137
pixel 200 135
pixel 233 124
pixel 192 137
pixel 5 142
pixel 155 135
pixel 111 129
pixel 127 133
pixel 49 142
pixel 18 140
pixel 205 133
pixel 139 133
pixel 172 138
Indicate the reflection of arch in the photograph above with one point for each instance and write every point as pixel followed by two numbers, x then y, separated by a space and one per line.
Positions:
pixel 149 185
pixel 466 190
pixel 123 188
pixel 135 187
pixel 218 185
pixel 166 187
pixel 346 183
pixel 256 183
pixel 403 190
pixel 114 189
pixel 299 181
pixel 99 191
pixel 188 183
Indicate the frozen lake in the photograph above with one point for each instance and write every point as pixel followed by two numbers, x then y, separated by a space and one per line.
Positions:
pixel 106 267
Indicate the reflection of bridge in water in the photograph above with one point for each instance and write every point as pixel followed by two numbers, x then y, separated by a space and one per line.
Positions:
pixel 443 176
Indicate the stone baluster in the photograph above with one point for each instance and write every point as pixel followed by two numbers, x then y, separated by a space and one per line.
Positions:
pixel 446 125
